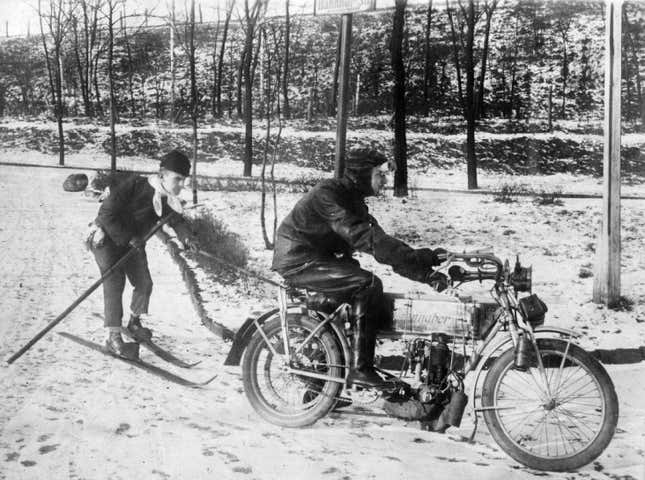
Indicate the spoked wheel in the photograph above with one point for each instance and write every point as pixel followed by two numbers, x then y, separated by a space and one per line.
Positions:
pixel 558 417
pixel 284 398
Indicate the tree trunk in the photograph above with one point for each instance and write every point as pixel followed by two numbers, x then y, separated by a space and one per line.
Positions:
pixel 48 62
pixel 111 85
pixel 268 244
pixel 455 51
pixel 334 92
pixel 471 158
pixel 428 71
pixel 172 62
pixel 479 111
pixel 285 75
pixel 220 60
pixel 565 75
pixel 87 106
pixel 59 103
pixel 240 79
pixel 130 69
pixel 550 108
pixel 398 98
pixel 193 93
pixel 634 58
pixel 247 61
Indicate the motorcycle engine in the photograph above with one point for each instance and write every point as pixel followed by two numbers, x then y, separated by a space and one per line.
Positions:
pixel 429 362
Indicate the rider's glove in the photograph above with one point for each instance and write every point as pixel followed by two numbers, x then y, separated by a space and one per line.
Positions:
pixel 437 281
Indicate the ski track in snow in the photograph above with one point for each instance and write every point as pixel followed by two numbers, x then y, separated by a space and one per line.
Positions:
pixel 69 412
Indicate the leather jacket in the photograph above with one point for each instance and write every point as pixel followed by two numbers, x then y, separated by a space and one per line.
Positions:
pixel 332 221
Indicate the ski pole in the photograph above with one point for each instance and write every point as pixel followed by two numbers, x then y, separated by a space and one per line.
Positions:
pixel 87 292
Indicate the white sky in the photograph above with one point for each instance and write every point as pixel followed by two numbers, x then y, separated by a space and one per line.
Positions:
pixel 19 15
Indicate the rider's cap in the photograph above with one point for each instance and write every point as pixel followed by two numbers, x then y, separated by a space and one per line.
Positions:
pixel 358 167
pixel 363 159
pixel 177 162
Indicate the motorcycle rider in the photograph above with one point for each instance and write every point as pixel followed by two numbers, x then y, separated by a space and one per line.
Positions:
pixel 315 242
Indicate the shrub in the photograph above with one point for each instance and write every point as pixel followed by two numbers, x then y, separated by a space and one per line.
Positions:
pixel 298 185
pixel 545 197
pixel 508 192
pixel 215 238
pixel 623 304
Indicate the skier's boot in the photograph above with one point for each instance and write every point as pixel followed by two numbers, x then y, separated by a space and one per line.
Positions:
pixel 138 331
pixel 116 346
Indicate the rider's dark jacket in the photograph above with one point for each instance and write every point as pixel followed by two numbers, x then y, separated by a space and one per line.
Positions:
pixel 332 221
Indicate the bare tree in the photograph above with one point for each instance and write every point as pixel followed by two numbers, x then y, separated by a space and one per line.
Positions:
pixel 217 109
pixel 187 40
pixel 128 51
pixel 273 97
pixel 398 98
pixel 190 33
pixel 57 22
pixel 464 43
pixel 428 62
pixel 489 9
pixel 285 76
pixel 109 12
pixel 331 111
pixel 252 16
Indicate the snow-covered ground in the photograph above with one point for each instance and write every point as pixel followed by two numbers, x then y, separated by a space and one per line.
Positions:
pixel 69 412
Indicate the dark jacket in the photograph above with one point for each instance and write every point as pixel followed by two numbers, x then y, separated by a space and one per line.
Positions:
pixel 332 220
pixel 127 212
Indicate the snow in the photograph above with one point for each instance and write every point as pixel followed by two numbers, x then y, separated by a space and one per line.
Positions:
pixel 68 412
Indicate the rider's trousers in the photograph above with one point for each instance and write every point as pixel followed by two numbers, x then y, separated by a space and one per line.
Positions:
pixel 347 281
pixel 136 271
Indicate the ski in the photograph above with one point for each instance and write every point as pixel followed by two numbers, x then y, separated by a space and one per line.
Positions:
pixel 160 351
pixel 148 367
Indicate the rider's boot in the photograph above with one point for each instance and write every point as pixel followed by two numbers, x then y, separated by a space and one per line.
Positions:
pixel 116 346
pixel 137 330
pixel 363 372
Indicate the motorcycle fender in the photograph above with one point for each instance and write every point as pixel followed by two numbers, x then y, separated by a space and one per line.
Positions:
pixel 243 337
pixel 505 340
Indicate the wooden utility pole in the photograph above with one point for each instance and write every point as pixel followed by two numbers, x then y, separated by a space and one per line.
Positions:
pixel 343 93
pixel 345 8
pixel 606 288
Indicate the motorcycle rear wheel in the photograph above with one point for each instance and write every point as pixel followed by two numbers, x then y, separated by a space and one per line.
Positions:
pixel 559 421
pixel 287 399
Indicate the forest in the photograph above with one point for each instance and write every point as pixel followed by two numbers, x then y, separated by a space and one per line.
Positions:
pixel 531 62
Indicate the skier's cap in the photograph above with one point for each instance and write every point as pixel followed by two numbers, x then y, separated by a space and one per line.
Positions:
pixel 177 162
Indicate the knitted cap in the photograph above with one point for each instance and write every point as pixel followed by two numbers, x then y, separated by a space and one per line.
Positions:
pixel 177 162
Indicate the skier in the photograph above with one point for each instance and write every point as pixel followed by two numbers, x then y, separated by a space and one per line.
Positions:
pixel 128 212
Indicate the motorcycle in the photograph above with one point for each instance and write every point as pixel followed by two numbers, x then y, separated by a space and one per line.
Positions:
pixel 547 402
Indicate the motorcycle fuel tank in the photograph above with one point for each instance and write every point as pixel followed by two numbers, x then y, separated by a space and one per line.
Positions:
pixel 423 315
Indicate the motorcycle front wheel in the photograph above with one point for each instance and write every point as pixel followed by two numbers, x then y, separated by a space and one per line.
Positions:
pixel 284 398
pixel 559 417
